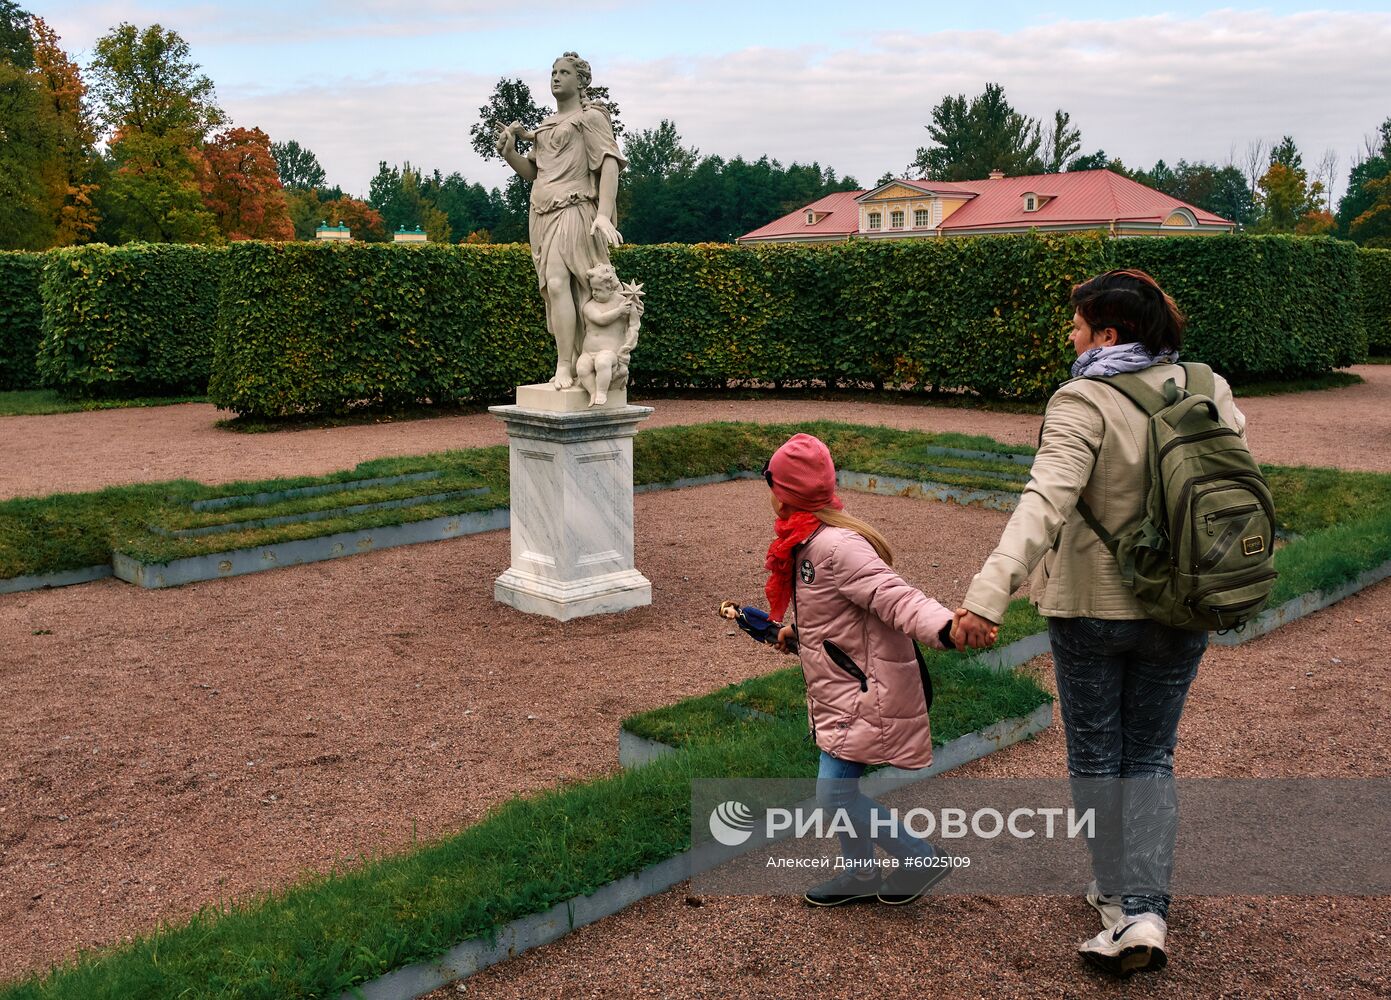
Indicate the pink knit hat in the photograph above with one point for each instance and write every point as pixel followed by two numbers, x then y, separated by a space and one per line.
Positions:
pixel 802 474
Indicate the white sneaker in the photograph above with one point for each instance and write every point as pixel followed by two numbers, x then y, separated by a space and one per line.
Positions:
pixel 1136 944
pixel 1107 905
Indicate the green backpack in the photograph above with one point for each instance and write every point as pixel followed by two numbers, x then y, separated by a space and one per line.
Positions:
pixel 1201 556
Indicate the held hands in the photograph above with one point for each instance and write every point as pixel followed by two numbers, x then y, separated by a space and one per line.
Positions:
pixel 784 634
pixel 970 631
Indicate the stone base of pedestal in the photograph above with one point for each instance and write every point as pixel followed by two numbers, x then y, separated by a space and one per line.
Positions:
pixel 600 595
pixel 571 480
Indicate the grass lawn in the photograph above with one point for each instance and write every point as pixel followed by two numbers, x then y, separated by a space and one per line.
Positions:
pixel 41 402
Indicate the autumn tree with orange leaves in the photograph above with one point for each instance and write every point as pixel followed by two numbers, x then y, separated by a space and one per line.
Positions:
pixel 241 187
pixel 69 174
pixel 365 221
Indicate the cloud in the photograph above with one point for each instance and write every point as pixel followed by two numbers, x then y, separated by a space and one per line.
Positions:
pixel 264 23
pixel 1141 88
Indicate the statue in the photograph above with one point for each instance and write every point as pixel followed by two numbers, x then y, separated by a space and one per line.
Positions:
pixel 574 165
pixel 610 333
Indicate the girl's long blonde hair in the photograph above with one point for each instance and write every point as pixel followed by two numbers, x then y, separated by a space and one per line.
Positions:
pixel 840 519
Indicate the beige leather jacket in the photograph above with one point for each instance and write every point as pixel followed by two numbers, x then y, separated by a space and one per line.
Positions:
pixel 1094 445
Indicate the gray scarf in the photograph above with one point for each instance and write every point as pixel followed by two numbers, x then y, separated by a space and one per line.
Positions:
pixel 1131 357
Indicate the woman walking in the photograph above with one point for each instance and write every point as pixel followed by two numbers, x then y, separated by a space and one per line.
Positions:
pixel 1122 678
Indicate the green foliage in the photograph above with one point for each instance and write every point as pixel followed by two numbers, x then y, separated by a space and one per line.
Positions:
pixel 328 328
pixel 987 133
pixel 966 698
pixel 1259 307
pixel 1374 267
pixel 130 321
pixel 21 314
pixel 325 328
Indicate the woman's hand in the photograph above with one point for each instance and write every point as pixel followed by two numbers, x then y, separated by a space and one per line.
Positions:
pixel 785 633
pixel 603 227
pixel 970 631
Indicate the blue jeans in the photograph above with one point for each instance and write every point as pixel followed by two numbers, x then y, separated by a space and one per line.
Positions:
pixel 1121 690
pixel 838 787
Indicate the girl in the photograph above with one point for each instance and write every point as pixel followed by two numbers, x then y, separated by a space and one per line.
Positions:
pixel 867 691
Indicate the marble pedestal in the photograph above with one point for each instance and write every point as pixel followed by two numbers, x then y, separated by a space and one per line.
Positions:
pixel 572 506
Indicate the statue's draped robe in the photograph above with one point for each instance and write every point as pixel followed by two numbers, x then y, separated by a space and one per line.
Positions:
pixel 568 152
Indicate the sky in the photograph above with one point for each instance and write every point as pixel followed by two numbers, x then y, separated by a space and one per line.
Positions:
pixel 848 87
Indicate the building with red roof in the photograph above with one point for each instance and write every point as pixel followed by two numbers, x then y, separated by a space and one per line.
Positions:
pixel 1081 201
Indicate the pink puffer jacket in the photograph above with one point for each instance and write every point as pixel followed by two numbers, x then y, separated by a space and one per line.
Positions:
pixel 854 618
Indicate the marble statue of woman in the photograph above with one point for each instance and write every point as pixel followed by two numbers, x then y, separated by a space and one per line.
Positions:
pixel 573 164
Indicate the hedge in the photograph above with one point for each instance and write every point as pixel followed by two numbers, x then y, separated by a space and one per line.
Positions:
pixel 21 315
pixel 323 327
pixel 131 320
pixel 1375 269
pixel 1260 307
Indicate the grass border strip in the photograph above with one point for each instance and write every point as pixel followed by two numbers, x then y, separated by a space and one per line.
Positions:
pixel 298 492
pixel 238 562
pixel 526 933
pixel 893 486
pixel 310 516
pixel 62 578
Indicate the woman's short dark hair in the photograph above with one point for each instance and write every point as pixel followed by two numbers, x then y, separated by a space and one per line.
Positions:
pixel 1133 304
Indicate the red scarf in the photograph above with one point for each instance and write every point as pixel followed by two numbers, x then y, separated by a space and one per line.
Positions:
pixel 792 532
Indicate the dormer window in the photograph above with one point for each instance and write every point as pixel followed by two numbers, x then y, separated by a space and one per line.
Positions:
pixel 811 218
pixel 1031 202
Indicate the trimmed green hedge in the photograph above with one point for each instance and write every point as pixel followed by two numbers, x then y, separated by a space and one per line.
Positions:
pixel 326 328
pixel 1375 268
pixel 129 321
pixel 1259 307
pixel 21 316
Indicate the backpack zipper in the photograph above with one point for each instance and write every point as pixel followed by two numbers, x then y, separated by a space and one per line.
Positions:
pixel 1194 599
pixel 1190 438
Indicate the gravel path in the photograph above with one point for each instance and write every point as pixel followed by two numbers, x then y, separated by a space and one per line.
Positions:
pixel 71 452
pixel 1252 712
pixel 160 750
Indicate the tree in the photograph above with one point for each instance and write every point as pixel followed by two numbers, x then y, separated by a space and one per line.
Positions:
pixel 362 219
pixel 1091 161
pixel 1061 142
pixel 298 167
pixel 144 81
pixel 1364 211
pixel 70 178
pixel 511 102
pixel 468 207
pixel 241 187
pixel 1286 153
pixel 28 139
pixel 159 110
pixel 974 139
pixel 657 153
pixel 600 96
pixel 1286 198
pixel 305 211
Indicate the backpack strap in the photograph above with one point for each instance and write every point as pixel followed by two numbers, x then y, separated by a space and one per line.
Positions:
pixel 1135 389
pixel 1200 381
